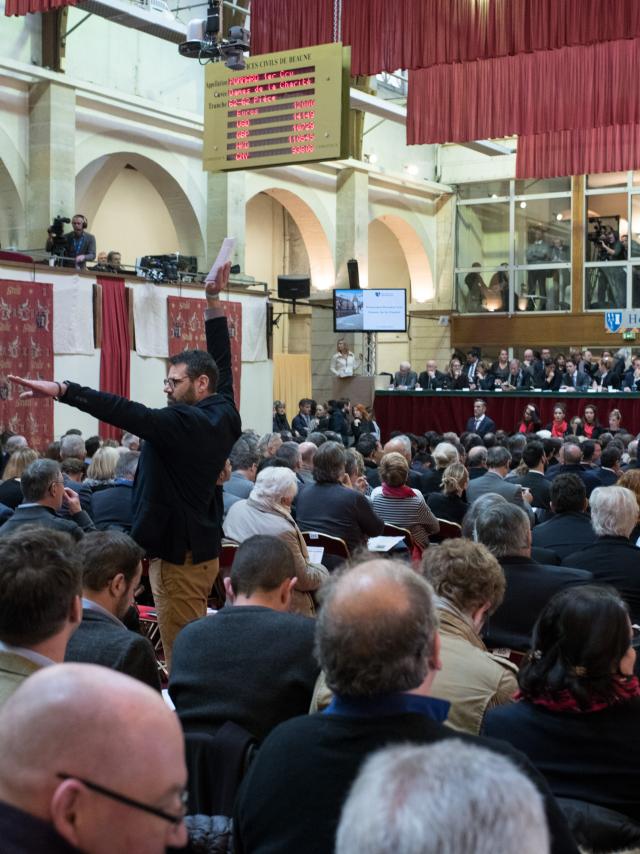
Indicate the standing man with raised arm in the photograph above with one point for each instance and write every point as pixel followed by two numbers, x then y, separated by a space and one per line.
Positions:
pixel 175 507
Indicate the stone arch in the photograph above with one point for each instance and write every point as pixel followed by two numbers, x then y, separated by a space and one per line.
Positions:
pixel 413 249
pixel 12 213
pixel 95 178
pixel 321 264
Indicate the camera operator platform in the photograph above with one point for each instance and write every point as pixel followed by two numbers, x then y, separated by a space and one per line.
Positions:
pixel 74 248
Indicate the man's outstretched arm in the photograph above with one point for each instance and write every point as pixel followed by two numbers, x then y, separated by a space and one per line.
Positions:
pixel 218 344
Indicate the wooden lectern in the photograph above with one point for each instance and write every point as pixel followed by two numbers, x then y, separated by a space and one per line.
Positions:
pixel 357 389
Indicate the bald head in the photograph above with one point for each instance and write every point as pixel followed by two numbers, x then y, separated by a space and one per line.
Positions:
pixel 376 631
pixel 399 445
pixel 92 722
pixel 307 453
pixel 571 453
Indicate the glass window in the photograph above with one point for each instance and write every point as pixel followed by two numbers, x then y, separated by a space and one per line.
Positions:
pixel 543 231
pixel 482 290
pixel 607 220
pixel 635 287
pixel 542 289
pixel 608 179
pixel 535 186
pixel 484 190
pixel 605 286
pixel 483 235
pixel 631 241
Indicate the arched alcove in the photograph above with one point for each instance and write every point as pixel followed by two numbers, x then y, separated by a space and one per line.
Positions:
pixel 283 233
pixel 135 205
pixel 389 233
pixel 12 219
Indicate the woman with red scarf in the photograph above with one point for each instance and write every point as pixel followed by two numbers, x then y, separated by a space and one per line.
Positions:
pixel 398 504
pixel 530 422
pixel 559 425
pixel 577 712
pixel 590 427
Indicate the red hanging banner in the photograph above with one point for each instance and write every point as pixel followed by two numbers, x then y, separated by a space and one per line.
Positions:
pixel 186 331
pixel 26 350
pixel 115 353
pixel 23 7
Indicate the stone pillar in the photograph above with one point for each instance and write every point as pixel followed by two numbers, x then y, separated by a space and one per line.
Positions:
pixel 323 346
pixel 52 162
pixel 226 214
pixel 352 224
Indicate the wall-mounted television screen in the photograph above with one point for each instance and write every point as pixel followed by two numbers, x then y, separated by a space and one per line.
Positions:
pixel 382 310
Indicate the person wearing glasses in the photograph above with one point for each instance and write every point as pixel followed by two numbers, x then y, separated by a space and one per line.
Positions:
pixel 44 494
pixel 177 506
pixel 111 573
pixel 92 761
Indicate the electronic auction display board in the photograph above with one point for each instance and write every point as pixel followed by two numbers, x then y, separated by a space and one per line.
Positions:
pixel 283 108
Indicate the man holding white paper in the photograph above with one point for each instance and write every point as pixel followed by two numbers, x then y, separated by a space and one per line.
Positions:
pixel 176 506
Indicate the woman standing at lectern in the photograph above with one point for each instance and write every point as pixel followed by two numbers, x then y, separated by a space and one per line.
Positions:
pixel 343 362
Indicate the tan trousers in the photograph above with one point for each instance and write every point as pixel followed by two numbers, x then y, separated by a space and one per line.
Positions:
pixel 180 593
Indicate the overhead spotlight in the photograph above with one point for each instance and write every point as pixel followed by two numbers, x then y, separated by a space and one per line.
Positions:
pixel 204 43
pixel 494 195
pixel 523 205
pixel 559 217
pixel 411 169
pixel 373 157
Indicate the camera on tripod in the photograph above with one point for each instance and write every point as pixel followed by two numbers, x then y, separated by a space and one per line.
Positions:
pixel 56 230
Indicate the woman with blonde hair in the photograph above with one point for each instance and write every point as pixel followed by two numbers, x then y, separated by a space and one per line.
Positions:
pixel 450 503
pixel 10 489
pixel 443 455
pixel 102 471
pixel 398 504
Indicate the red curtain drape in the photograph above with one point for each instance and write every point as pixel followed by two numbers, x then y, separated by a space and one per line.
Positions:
pixel 115 356
pixel 578 152
pixel 385 36
pixel 575 87
pixel 288 24
pixel 22 7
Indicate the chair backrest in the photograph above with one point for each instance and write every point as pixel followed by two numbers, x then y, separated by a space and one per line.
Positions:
pixel 396 531
pixel 448 531
pixel 218 595
pixel 331 545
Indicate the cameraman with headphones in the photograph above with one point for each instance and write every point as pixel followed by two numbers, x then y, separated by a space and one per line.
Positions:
pixel 78 245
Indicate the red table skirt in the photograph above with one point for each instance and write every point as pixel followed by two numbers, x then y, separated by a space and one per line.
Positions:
pixel 416 412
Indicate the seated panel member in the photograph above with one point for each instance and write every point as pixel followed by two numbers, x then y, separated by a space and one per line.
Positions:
pixel 480 423
pixel 405 378
pixel 432 378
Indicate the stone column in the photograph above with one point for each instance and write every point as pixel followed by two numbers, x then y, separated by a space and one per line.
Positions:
pixel 226 214
pixel 352 224
pixel 52 162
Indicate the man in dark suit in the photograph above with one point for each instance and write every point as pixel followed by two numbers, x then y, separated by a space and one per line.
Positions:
pixel 498 460
pixel 44 493
pixel 405 377
pixel 571 458
pixel 301 424
pixel 612 558
pixel 264 669
pixel 378 645
pixel 573 379
pixel 176 503
pixel 76 247
pixel 432 378
pixel 504 529
pixel 330 507
pixel 111 571
pixel 480 423
pixel 477 462
pixel 519 377
pixel 371 450
pixel 570 527
pixel 606 376
pixel 534 458
pixel 609 470
pixel 111 508
pixel 471 366
pixel 72 447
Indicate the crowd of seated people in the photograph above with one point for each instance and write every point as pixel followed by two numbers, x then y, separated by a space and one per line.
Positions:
pixel 522 639
pixel 538 370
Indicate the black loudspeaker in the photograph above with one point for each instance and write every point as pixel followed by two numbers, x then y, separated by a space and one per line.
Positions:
pixel 354 275
pixel 294 287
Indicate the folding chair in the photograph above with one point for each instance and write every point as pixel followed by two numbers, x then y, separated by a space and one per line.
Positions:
pixel 448 531
pixel 331 545
pixel 218 595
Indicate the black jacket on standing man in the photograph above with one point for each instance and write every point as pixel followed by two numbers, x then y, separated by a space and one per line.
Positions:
pixel 175 506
